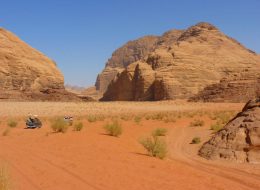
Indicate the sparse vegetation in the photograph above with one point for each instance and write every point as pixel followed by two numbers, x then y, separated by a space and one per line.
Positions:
pixel 222 118
pixel 196 140
pixel 59 126
pixel 155 146
pixel 197 123
pixel 137 119
pixel 216 127
pixel 12 123
pixel 4 179
pixel 126 117
pixel 114 128
pixel 6 132
pixel 94 118
pixel 78 126
pixel 159 132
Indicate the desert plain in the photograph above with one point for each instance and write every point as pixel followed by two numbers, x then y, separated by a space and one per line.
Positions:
pixel 37 159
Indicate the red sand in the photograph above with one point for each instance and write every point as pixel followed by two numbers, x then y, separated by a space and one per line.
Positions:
pixel 91 159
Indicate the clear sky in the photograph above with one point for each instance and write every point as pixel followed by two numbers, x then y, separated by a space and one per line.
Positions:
pixel 80 35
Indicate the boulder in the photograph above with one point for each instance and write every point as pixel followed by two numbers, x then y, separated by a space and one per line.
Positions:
pixel 239 140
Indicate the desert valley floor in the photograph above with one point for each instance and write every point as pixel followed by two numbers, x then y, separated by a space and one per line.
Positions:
pixel 90 159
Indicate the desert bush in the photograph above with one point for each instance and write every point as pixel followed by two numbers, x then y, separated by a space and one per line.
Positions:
pixel 190 114
pixel 114 128
pixel 6 132
pixel 158 116
pixel 4 179
pixel 222 116
pixel 195 140
pixel 216 126
pixel 59 126
pixel 159 132
pixel 92 118
pixel 155 146
pixel 12 123
pixel 169 119
pixel 197 123
pixel 147 117
pixel 78 126
pixel 137 119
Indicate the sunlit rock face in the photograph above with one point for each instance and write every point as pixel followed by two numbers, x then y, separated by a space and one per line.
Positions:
pixel 199 64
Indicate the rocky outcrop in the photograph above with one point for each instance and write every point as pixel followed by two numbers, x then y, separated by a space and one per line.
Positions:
pixel 198 64
pixel 134 83
pixel 27 74
pixel 132 51
pixel 239 140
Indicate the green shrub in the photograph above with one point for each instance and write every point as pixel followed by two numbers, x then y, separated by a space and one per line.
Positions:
pixel 195 140
pixel 12 123
pixel 159 132
pixel 78 126
pixel 197 123
pixel 59 126
pixel 114 128
pixel 4 179
pixel 6 132
pixel 155 147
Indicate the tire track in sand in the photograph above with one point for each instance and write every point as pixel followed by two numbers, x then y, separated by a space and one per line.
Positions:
pixel 178 144
pixel 31 157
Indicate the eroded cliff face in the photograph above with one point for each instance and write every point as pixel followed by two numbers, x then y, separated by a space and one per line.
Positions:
pixel 198 64
pixel 239 140
pixel 124 56
pixel 27 74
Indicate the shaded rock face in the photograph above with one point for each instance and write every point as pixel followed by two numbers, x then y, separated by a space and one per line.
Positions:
pixel 134 83
pixel 198 64
pixel 122 57
pixel 27 74
pixel 239 140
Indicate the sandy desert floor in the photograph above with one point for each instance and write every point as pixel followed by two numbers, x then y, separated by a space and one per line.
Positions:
pixel 90 159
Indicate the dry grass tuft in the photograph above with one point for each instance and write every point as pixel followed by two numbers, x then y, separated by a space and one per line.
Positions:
pixel 159 132
pixel 114 128
pixel 155 146
pixel 78 126
pixel 59 126
pixel 12 123
pixel 197 123
pixel 196 140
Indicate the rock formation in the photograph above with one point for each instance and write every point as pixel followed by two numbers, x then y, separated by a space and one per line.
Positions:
pixel 199 64
pixel 122 57
pixel 27 74
pixel 239 140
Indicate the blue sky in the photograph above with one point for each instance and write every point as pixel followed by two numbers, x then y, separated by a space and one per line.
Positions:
pixel 80 35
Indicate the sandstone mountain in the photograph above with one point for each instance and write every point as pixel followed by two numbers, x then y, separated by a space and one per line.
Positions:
pixel 27 74
pixel 199 64
pixel 239 140
pixel 122 57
